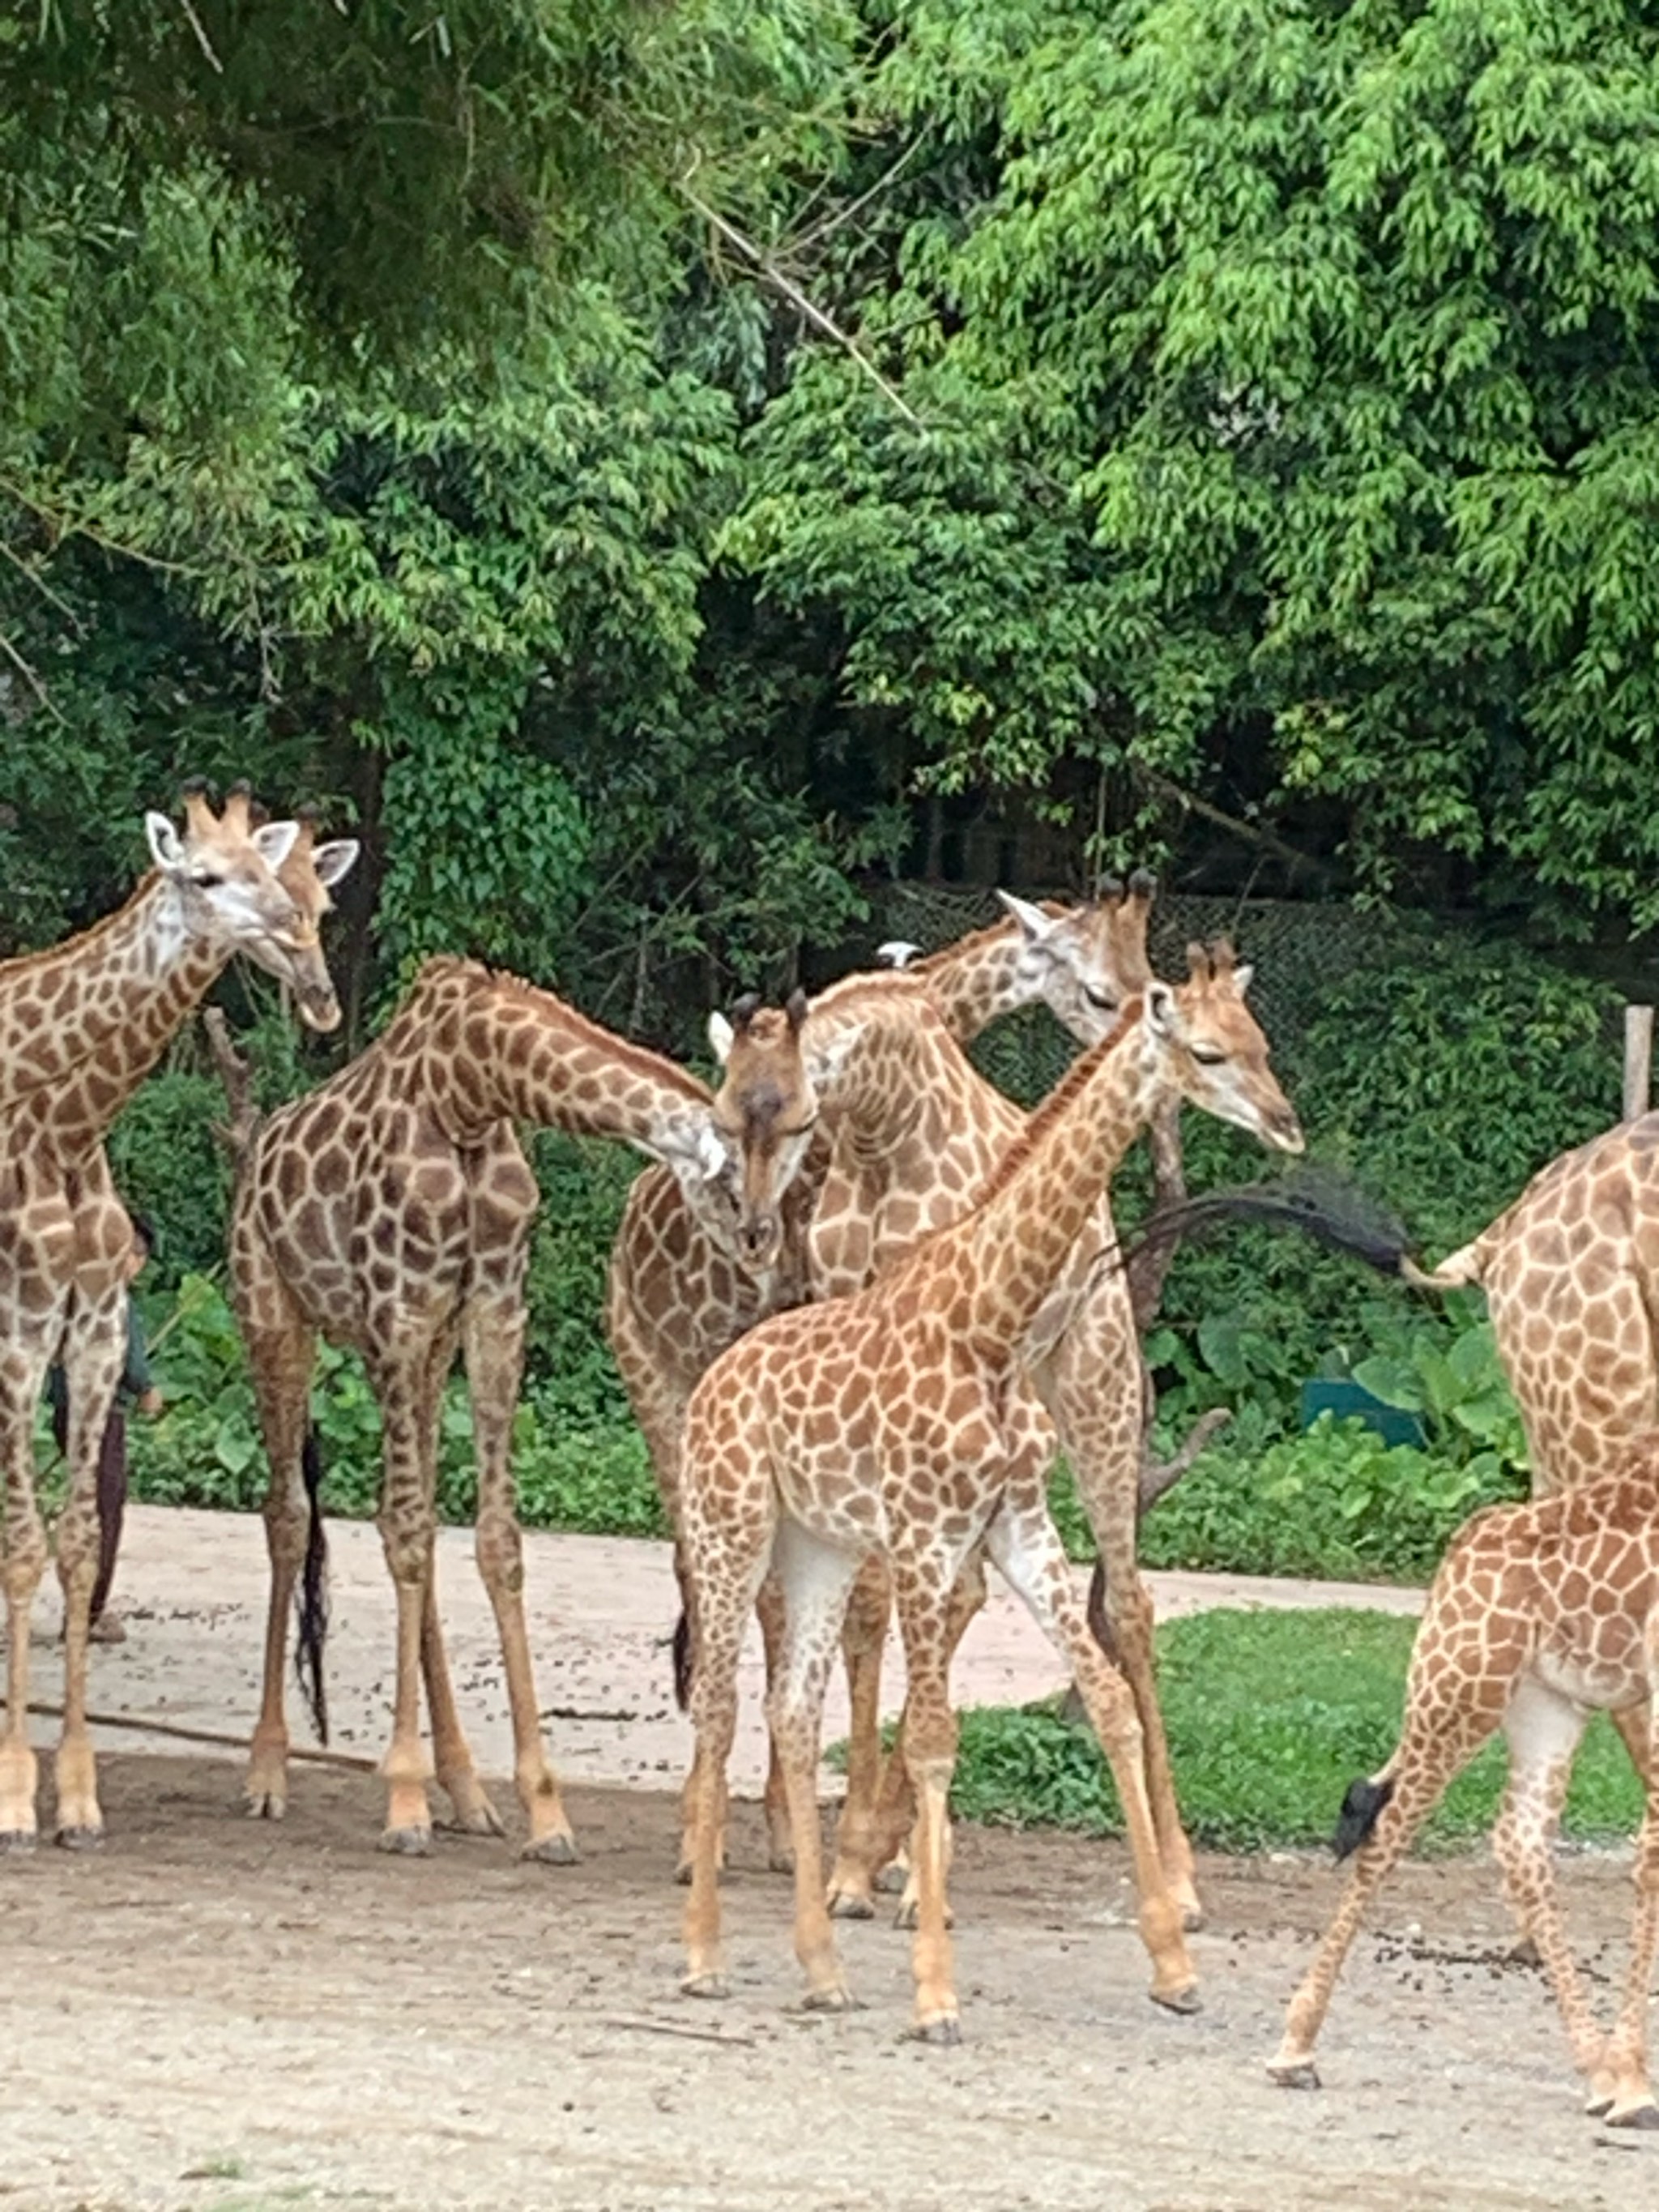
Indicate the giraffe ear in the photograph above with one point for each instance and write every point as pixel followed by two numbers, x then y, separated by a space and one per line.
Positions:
pixel 721 1037
pixel 1162 1011
pixel 1242 976
pixel 334 862
pixel 166 847
pixel 1035 927
pixel 898 952
pixel 275 841
pixel 712 1157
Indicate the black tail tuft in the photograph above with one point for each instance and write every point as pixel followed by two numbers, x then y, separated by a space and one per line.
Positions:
pixel 1317 1201
pixel 1360 1808
pixel 313 1592
pixel 683 1661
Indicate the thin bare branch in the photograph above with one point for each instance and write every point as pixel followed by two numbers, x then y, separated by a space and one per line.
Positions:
pixel 1249 832
pixel 820 229
pixel 763 262
pixel 29 677
pixel 201 38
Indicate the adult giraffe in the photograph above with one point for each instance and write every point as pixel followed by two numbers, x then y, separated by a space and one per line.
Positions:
pixel 389 1210
pixel 84 1022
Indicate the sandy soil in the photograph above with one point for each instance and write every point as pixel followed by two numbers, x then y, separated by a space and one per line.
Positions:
pixel 217 2014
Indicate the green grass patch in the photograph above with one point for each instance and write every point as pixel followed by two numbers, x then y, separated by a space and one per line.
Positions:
pixel 1270 1715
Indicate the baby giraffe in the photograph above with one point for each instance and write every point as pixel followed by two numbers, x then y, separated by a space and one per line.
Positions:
pixel 1540 1614
pixel 895 1423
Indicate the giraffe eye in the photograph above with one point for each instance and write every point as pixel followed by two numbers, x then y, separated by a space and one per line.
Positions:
pixel 207 881
pixel 1103 999
pixel 1207 1057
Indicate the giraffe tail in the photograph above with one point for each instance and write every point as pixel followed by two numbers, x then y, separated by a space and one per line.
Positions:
pixel 1360 1808
pixel 1316 1202
pixel 684 1660
pixel 1466 1265
pixel 313 1591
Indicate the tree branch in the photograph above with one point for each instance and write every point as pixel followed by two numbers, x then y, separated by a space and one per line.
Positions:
pixel 774 276
pixel 1248 832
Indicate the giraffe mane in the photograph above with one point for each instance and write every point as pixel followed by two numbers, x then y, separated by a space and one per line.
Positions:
pixel 20 963
pixel 656 1066
pixel 1058 1100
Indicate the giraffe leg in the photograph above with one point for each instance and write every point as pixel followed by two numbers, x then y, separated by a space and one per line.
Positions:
pixel 495 1365
pixel 725 1570
pixel 1543 1730
pixel 683 1865
pixel 864 1636
pixel 814 1581
pixel 779 1849
pixel 1095 1389
pixel 1631 2102
pixel 408 1532
pixel 1025 1545
pixel 1635 1724
pixel 280 1350
pixel 930 1753
pixel 1449 1715
pixel 94 1348
pixel 898 1809
pixel 23 1554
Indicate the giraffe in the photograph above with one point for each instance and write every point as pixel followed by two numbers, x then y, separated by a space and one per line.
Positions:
pixel 1539 1615
pixel 389 1210
pixel 1570 1271
pixel 63 1232
pixel 897 1173
pixel 677 1296
pixel 892 1421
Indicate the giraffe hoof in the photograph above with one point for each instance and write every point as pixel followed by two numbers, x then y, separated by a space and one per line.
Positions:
pixel 80 1836
pixel 891 1880
pixel 1186 2000
pixel 1294 2074
pixel 907 1912
pixel 1192 1917
pixel 554 1851
pixel 850 1904
pixel 480 1820
pixel 407 1842
pixel 16 1841
pixel 837 1999
pixel 705 1985
pixel 944 2033
pixel 1644 2117
pixel 265 1805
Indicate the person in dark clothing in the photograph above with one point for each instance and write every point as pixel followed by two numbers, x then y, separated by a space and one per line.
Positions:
pixel 138 1384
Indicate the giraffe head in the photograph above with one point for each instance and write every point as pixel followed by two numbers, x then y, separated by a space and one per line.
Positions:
pixel 256 887
pixel 764 1114
pixel 1217 1055
pixel 1086 961
pixel 308 875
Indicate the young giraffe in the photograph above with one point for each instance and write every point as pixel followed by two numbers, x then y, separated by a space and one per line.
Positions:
pixel 1539 1615
pixel 391 1211
pixel 65 1235
pixel 1570 1271
pixel 898 1171
pixel 893 1422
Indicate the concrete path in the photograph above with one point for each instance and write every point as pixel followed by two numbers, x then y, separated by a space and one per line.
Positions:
pixel 191 1587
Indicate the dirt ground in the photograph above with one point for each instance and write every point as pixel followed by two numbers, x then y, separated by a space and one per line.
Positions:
pixel 215 2014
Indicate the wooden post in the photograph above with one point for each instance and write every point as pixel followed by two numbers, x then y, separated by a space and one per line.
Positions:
pixel 1638 1059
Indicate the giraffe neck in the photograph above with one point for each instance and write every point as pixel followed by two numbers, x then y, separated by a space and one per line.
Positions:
pixel 61 1006
pixel 890 1056
pixel 1014 1244
pixel 500 1049
pixel 978 978
pixel 151 971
